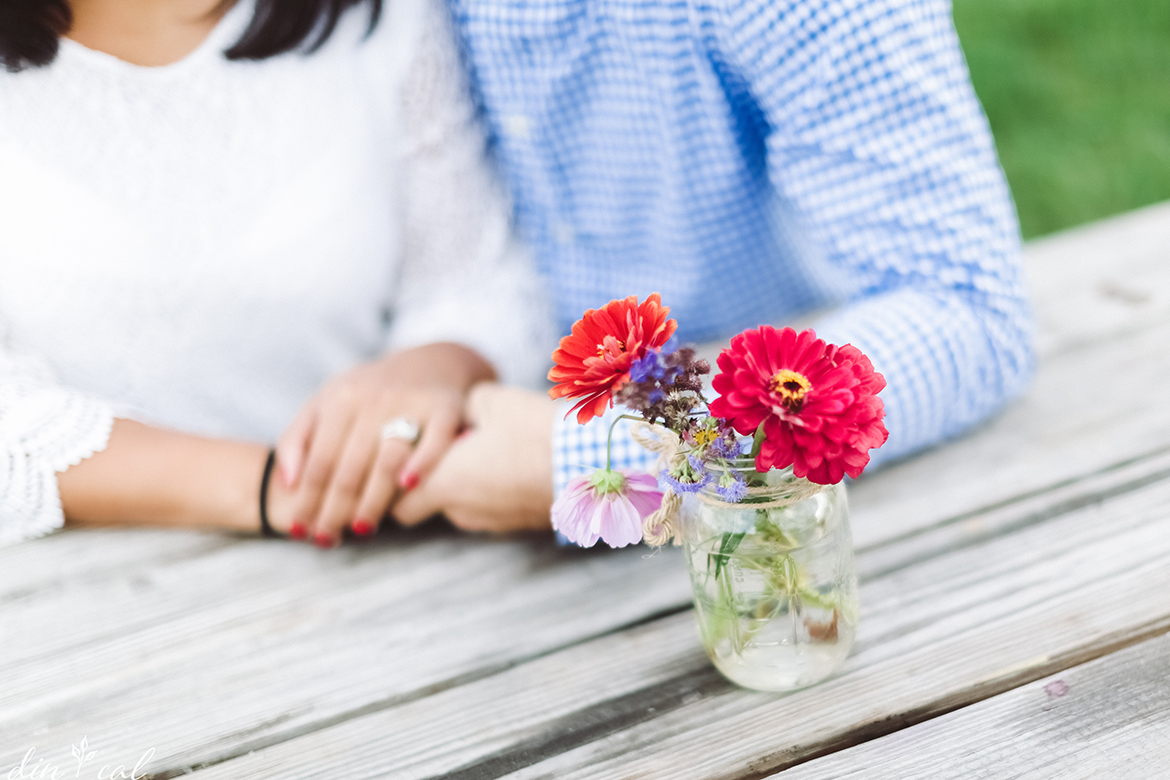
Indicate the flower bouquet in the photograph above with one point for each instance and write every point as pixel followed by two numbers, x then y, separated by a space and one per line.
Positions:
pixel 749 483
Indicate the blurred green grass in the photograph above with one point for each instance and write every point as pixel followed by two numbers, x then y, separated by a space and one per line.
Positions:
pixel 1078 95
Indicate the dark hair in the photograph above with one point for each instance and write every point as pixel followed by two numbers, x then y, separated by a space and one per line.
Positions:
pixel 30 29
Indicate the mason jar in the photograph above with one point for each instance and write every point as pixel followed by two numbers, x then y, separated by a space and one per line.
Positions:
pixel 774 578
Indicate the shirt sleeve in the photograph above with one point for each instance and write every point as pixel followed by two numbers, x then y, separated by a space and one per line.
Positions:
pixel 877 145
pixel 580 449
pixel 466 277
pixel 44 429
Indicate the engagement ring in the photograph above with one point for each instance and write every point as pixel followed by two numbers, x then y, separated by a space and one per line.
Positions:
pixel 403 428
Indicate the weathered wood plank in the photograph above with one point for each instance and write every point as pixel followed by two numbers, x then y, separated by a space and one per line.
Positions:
pixel 1102 280
pixel 936 636
pixel 1109 718
pixel 951 621
pixel 51 562
pixel 276 643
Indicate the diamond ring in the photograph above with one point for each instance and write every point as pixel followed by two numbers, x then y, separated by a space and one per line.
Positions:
pixel 404 428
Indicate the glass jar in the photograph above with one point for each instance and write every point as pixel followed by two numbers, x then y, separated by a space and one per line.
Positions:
pixel 774 579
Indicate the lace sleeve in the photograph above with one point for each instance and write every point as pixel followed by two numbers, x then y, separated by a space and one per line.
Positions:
pixel 44 429
pixel 465 276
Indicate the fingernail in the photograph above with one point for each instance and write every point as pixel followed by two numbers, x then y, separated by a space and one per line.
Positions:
pixel 409 481
pixel 362 527
pixel 323 540
pixel 297 530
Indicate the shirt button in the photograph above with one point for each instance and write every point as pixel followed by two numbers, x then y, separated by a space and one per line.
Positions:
pixel 516 125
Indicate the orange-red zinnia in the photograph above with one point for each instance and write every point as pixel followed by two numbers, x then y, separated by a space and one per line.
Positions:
pixel 593 361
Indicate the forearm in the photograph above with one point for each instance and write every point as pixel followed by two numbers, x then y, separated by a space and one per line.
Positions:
pixel 149 476
pixel 948 364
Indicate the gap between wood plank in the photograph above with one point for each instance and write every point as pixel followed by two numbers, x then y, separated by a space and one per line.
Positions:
pixel 973 695
pixel 636 706
pixel 1007 503
pixel 399 699
pixel 1062 507
pixel 1105 718
pixel 615 715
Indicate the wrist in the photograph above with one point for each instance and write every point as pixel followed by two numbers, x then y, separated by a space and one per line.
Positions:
pixel 212 483
pixel 446 363
pixel 229 481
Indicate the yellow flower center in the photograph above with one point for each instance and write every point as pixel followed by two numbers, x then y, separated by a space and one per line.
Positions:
pixel 791 387
pixel 705 436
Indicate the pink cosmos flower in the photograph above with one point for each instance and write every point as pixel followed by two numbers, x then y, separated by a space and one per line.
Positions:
pixel 607 505
pixel 818 402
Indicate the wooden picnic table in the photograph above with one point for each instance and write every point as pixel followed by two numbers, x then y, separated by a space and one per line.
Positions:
pixel 1015 588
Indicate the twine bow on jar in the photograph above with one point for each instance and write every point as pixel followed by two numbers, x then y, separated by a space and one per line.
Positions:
pixel 661 525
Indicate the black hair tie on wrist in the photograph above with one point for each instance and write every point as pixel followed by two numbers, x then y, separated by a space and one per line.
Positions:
pixel 265 527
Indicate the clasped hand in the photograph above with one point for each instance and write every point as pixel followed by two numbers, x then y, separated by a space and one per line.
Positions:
pixel 333 459
pixel 338 471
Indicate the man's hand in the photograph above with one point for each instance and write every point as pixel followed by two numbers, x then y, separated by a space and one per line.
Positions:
pixel 498 475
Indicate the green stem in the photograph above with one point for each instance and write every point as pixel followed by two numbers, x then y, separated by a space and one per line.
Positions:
pixel 757 442
pixel 732 611
pixel 609 439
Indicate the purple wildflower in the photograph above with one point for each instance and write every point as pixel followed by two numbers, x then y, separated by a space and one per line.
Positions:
pixel 665 386
pixel 690 476
pixel 679 486
pixel 725 447
pixel 648 367
pixel 731 487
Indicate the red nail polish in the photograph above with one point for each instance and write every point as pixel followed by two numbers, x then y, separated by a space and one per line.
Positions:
pixel 323 540
pixel 297 530
pixel 362 527
pixel 409 481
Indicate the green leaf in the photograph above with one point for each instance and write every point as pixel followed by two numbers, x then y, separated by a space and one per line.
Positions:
pixel 726 548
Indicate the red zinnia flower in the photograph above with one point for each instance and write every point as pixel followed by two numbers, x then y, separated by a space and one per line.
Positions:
pixel 818 402
pixel 594 360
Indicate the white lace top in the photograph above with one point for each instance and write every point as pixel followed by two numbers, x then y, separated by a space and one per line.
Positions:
pixel 202 245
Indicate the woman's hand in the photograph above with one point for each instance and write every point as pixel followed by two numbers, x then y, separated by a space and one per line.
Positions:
pixel 343 473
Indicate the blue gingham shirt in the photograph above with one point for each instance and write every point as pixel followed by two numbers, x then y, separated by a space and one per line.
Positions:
pixel 753 160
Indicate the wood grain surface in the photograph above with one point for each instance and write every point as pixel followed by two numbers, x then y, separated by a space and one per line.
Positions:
pixel 1109 718
pixel 1037 545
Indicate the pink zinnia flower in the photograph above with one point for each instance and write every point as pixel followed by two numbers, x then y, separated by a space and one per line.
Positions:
pixel 607 505
pixel 818 402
